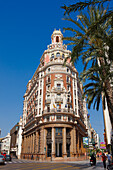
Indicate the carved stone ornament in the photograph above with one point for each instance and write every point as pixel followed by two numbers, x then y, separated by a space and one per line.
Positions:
pixel 58 76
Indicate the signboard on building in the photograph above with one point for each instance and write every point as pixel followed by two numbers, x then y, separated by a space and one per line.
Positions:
pixel 102 145
pixel 85 142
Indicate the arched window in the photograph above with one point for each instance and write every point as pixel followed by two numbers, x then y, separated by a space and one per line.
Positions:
pixel 57 39
pixel 57 54
pixel 48 69
pixel 52 56
pixel 62 55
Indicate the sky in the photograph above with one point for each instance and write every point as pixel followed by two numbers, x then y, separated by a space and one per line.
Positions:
pixel 25 31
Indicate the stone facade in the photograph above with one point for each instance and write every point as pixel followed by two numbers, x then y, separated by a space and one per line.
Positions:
pixel 5 144
pixel 16 139
pixel 54 113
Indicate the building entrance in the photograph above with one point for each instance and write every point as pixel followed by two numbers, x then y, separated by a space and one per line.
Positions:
pixel 58 150
pixel 58 142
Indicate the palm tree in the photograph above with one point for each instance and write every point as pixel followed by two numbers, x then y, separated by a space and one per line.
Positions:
pixel 86 4
pixel 97 89
pixel 92 41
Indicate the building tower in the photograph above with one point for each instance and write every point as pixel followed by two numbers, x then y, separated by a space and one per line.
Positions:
pixel 54 113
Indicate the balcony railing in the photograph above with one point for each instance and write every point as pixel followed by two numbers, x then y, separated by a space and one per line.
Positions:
pixel 57 100
pixel 58 111
pixel 68 82
pixel 58 89
pixel 47 101
pixel 69 101
pixel 30 115
pixel 29 121
pixel 48 81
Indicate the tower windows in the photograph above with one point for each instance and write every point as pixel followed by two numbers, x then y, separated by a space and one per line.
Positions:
pixel 67 78
pixel 67 69
pixel 48 69
pixel 68 87
pixel 58 85
pixel 52 56
pixel 62 55
pixel 57 54
pixel 57 39
pixel 48 108
pixel 48 87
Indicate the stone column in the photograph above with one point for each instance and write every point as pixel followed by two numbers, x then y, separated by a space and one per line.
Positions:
pixel 30 144
pixel 41 157
pixel 53 142
pixel 78 142
pixel 74 136
pixel 64 143
pixel 45 146
pixel 72 144
pixel 37 139
pixel 27 144
pixel 33 142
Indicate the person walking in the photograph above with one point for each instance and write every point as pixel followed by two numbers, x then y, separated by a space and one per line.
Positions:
pixel 104 160
pixel 109 158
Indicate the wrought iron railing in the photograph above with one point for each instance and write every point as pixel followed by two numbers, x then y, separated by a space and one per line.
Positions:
pixel 58 111
pixel 57 100
pixel 48 101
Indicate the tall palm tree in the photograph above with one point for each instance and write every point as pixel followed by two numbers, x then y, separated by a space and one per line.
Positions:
pixel 97 88
pixel 93 43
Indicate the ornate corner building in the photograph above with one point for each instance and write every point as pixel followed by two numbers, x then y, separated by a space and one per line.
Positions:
pixel 54 113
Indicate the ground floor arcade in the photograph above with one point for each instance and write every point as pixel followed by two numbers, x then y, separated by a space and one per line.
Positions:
pixel 52 141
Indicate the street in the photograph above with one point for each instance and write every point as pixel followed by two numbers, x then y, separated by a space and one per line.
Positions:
pixel 16 164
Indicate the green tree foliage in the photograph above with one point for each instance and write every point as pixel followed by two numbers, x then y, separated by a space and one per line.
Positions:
pixel 92 40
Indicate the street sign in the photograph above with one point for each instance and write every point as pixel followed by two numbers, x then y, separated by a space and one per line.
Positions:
pixel 85 142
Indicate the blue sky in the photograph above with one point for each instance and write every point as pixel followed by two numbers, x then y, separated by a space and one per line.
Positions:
pixel 25 31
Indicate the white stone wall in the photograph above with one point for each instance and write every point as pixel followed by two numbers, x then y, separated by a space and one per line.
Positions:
pixel 5 146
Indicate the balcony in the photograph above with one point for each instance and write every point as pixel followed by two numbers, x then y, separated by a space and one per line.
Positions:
pixel 31 114
pixel 58 100
pixel 69 101
pixel 58 89
pixel 68 82
pixel 48 81
pixel 28 122
pixel 47 101
pixel 55 110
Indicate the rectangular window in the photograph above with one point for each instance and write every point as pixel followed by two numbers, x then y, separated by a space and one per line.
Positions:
pixel 48 87
pixel 58 117
pixel 68 87
pixel 47 118
pixel 39 111
pixel 40 92
pixel 67 79
pixel 40 83
pixel 58 85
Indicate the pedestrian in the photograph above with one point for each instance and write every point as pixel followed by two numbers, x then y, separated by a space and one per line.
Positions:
pixel 104 160
pixel 109 158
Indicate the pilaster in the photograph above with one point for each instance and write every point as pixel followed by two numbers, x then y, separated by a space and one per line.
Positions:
pixel 64 143
pixel 72 143
pixel 53 142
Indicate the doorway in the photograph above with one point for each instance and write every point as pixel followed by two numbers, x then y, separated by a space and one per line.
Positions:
pixel 58 149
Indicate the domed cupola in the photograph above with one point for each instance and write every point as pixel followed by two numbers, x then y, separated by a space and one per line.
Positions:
pixel 56 37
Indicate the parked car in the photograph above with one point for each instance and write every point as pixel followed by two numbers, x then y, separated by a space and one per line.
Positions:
pixel 8 158
pixel 2 159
